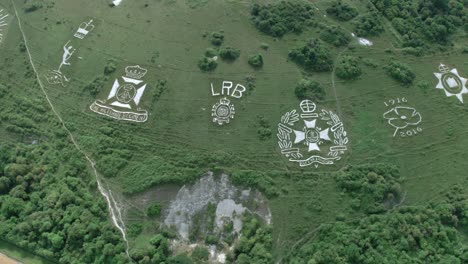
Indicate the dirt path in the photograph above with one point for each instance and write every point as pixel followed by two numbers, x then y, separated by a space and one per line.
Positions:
pixel 6 260
pixel 114 209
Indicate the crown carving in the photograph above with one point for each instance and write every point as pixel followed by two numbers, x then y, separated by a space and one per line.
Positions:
pixel 307 106
pixel 443 68
pixel 135 72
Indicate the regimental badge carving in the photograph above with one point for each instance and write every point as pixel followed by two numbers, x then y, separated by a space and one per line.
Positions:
pixel 84 29
pixel 311 137
pixel 403 118
pixel 57 76
pixel 5 18
pixel 124 97
pixel 223 111
pixel 451 82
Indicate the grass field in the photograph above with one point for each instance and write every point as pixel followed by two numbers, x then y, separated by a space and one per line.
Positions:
pixel 167 39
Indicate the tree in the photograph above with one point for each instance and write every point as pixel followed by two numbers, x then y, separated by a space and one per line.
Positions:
pixel 369 24
pixel 308 89
pixel 280 18
pixel 313 55
pixel 154 210
pixel 400 72
pixel 229 53
pixel 207 64
pixel 348 68
pixel 217 38
pixel 336 36
pixel 256 60
pixel 342 11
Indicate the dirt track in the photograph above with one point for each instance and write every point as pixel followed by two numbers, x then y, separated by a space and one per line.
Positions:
pixel 6 260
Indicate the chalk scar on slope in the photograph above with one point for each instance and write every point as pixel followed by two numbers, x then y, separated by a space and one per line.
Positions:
pixel 117 221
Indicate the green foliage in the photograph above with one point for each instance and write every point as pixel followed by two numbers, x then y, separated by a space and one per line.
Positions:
pixel 211 52
pixel 369 24
pixel 32 5
pixel 264 46
pixel 110 68
pixel 414 234
pixel 255 243
pixel 134 229
pixel 256 60
pixel 110 165
pixel 47 207
pixel 180 259
pixel 264 129
pixel 400 72
pixel 348 68
pixel 259 180
pixel 421 20
pixel 309 89
pixel 200 253
pixel 154 210
pixel 283 17
pixel 374 188
pixel 217 38
pixel 95 86
pixel 207 64
pixel 229 53
pixel 313 55
pixel 336 36
pixel 342 11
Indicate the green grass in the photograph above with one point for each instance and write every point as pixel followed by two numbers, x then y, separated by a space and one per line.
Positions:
pixel 179 132
pixel 20 254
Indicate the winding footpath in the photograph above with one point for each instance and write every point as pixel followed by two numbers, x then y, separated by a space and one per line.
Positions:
pixel 114 209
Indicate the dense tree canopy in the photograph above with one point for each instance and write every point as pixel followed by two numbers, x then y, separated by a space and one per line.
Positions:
pixel 309 89
pixel 348 68
pixel 314 55
pixel 336 36
pixel 282 17
pixel 400 72
pixel 424 20
pixel 369 24
pixel 415 234
pixel 342 11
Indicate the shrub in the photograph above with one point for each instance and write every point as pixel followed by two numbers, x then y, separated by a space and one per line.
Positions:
pixel 229 53
pixel 335 36
pixel 210 52
pixel 308 89
pixel 207 64
pixel 342 11
pixel 256 60
pixel 348 68
pixel 283 17
pixel 32 6
pixel 369 24
pixel 110 68
pixel 217 38
pixel 154 210
pixel 314 56
pixel 200 253
pixel 400 72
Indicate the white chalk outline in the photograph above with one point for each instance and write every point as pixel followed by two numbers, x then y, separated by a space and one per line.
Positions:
pixel 446 73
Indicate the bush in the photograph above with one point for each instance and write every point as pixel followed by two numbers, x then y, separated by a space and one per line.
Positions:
pixel 135 229
pixel 283 17
pixel 32 6
pixel 335 36
pixel 154 210
pixel 342 11
pixel 348 68
pixel 207 64
pixel 314 56
pixel 229 53
pixel 217 38
pixel 308 89
pixel 400 72
pixel 256 60
pixel 369 24
pixel 210 52
pixel 200 253
pixel 110 68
